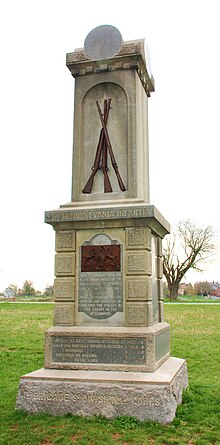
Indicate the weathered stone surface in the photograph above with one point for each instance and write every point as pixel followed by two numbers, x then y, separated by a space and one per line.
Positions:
pixel 161 310
pixel 110 394
pixel 70 216
pixel 64 314
pixel 136 314
pixel 65 264
pixel 65 240
pixel 80 214
pixel 138 238
pixel 138 288
pixel 64 289
pixel 138 262
pixel 80 65
pixel 159 268
pixel 127 129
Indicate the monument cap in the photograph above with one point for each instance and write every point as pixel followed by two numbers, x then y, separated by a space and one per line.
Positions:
pixel 103 42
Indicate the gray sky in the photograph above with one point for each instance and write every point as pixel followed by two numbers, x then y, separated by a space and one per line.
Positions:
pixel 36 108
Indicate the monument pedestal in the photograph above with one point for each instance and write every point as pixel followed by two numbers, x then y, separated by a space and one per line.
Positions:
pixel 108 352
pixel 107 348
pixel 145 396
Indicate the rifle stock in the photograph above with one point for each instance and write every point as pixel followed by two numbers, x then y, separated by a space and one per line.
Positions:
pixel 107 184
pixel 88 187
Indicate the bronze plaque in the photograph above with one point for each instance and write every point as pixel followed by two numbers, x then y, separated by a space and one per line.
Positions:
pixel 101 258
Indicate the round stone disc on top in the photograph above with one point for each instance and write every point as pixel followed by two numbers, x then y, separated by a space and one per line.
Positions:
pixel 103 42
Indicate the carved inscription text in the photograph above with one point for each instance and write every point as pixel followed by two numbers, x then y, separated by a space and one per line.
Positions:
pixel 129 351
pixel 85 215
pixel 59 395
pixel 100 294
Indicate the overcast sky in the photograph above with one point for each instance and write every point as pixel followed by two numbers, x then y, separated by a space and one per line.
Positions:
pixel 36 110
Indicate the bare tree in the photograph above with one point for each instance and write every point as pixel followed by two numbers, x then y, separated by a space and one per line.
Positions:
pixel 49 290
pixel 203 288
pixel 195 245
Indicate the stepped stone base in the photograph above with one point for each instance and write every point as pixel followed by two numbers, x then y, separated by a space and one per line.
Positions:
pixel 145 396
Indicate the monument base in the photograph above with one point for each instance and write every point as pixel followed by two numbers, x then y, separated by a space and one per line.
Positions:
pixel 145 396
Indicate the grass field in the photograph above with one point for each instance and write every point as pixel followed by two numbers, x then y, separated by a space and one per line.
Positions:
pixel 194 299
pixel 195 336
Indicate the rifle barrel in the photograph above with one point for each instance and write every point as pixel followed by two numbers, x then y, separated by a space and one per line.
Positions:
pixel 113 161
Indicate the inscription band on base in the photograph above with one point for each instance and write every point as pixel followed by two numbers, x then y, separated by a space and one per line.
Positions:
pixel 130 351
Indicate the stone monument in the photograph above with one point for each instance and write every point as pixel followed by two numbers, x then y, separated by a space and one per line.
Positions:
pixel 108 352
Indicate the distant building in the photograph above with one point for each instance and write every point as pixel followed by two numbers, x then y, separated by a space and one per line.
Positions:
pixel 182 288
pixel 215 289
pixel 9 293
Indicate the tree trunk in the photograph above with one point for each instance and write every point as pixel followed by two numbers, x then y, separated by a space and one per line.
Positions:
pixel 173 291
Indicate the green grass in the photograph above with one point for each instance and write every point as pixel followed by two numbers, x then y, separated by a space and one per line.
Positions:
pixel 193 299
pixel 27 298
pixel 195 336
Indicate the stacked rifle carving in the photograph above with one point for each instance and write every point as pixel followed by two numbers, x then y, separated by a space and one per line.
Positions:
pixel 101 158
